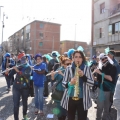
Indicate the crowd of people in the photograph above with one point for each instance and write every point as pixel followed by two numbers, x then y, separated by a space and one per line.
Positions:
pixel 72 77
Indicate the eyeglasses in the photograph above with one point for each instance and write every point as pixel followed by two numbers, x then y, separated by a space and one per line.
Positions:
pixel 104 58
pixel 68 64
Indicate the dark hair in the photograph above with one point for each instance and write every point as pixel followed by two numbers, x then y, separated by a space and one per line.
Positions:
pixel 63 59
pixel 44 59
pixel 38 55
pixel 81 53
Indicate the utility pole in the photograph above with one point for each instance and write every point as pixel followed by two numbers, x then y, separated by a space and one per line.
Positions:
pixel 53 44
pixel 75 38
pixel 0 18
pixel 92 28
pixel 2 26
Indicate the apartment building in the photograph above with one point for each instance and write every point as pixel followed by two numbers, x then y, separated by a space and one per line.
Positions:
pixel 65 45
pixel 106 25
pixel 36 37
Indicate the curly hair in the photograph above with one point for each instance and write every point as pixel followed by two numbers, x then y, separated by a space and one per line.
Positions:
pixel 63 59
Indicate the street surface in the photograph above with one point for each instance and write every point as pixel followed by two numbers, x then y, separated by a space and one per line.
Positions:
pixel 6 107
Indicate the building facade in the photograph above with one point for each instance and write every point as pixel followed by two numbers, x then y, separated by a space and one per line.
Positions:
pixel 36 37
pixel 106 25
pixel 65 45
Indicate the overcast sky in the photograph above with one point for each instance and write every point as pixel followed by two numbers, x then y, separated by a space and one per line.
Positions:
pixel 65 12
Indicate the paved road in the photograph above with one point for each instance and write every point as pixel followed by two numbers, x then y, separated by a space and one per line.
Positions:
pixel 6 107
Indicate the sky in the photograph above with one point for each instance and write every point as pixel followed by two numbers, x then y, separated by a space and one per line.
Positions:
pixel 73 15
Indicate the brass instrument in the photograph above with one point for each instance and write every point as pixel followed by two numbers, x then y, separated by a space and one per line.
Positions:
pixel 76 86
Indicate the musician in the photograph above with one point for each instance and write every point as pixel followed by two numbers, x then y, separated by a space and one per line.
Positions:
pixel 21 85
pixel 52 62
pixel 83 102
pixel 64 61
pixel 70 52
pixel 106 83
pixel 7 63
pixel 38 79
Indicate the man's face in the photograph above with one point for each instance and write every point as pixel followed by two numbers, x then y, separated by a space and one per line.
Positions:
pixel 23 60
pixel 104 60
pixel 38 60
pixel 7 58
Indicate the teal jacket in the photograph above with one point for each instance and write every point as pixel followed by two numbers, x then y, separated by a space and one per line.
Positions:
pixel 59 77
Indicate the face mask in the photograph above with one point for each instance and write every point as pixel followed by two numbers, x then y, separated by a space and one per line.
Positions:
pixel 105 63
pixel 23 60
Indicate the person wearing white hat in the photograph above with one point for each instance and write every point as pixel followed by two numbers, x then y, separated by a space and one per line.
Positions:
pixel 106 81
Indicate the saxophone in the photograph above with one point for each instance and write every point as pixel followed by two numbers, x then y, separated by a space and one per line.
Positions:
pixel 76 86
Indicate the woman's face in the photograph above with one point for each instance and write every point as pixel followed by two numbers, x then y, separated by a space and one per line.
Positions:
pixel 77 58
pixel 67 63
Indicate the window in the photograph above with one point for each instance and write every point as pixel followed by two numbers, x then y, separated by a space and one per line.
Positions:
pixel 110 30
pixel 27 29
pixel 22 33
pixel 113 28
pixel 101 30
pixel 41 35
pixel 119 27
pixel 116 27
pixel 27 36
pixel 102 8
pixel 41 25
pixel 41 44
pixel 21 37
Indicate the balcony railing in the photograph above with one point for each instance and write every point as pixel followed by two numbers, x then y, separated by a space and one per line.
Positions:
pixel 115 9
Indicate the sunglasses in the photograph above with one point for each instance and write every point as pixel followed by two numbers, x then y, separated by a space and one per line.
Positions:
pixel 68 64
pixel 104 58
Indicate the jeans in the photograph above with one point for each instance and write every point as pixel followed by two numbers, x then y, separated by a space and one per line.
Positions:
pixel 103 106
pixel 16 99
pixel 39 97
pixel 8 81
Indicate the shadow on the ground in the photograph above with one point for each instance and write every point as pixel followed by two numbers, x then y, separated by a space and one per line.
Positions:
pixel 3 91
pixel 113 114
pixel 47 108
pixel 6 107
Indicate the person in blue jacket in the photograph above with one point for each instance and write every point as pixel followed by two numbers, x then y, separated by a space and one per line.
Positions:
pixel 65 61
pixel 111 55
pixel 7 63
pixel 38 79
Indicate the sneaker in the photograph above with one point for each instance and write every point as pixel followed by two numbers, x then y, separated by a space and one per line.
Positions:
pixel 36 111
pixel 25 117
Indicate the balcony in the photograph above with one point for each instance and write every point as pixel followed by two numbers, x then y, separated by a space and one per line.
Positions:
pixel 115 10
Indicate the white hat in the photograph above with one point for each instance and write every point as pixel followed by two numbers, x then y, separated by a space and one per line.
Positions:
pixel 102 55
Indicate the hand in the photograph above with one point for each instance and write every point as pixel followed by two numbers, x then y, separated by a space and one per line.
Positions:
pixel 59 72
pixel 80 72
pixel 15 68
pixel 73 81
pixel 7 71
pixel 52 73
pixel 97 71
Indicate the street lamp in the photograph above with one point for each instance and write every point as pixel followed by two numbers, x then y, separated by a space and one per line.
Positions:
pixel 75 37
pixel 3 24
